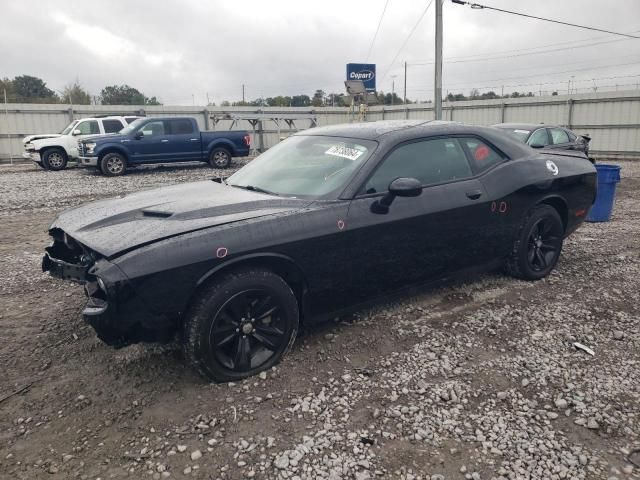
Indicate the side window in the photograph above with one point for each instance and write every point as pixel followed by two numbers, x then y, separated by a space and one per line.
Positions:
pixel 181 126
pixel 572 136
pixel 112 126
pixel 90 127
pixel 430 161
pixel 483 157
pixel 153 129
pixel 558 136
pixel 539 137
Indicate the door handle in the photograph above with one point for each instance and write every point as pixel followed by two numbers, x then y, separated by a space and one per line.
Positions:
pixel 164 140
pixel 194 140
pixel 474 194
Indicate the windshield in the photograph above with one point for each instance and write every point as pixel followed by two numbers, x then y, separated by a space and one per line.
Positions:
pixel 131 127
pixel 305 166
pixel 519 134
pixel 69 128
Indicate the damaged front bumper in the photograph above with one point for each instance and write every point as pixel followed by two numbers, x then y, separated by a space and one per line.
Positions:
pixel 116 313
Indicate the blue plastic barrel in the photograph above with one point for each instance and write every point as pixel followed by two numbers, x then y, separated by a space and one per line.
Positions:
pixel 608 178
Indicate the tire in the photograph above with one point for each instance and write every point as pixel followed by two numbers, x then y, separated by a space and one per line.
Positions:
pixel 54 159
pixel 113 164
pixel 243 346
pixel 220 158
pixel 538 244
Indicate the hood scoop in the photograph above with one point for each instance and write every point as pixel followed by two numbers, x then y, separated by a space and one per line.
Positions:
pixel 156 214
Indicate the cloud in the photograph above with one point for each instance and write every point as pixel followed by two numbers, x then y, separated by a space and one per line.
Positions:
pixel 174 50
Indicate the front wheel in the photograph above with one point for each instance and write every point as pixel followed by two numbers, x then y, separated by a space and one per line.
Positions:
pixel 538 245
pixel 220 158
pixel 113 164
pixel 240 325
pixel 54 159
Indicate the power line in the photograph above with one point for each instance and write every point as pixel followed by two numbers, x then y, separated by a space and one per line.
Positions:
pixel 462 57
pixel 520 54
pixel 424 12
pixel 498 85
pixel 539 68
pixel 482 7
pixel 377 30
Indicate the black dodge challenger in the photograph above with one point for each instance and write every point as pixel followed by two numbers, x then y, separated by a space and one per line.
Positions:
pixel 324 223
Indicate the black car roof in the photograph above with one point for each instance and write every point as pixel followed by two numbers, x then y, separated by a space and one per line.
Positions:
pixel 395 131
pixel 390 128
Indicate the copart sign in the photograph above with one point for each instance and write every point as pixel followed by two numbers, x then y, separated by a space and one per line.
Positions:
pixel 363 71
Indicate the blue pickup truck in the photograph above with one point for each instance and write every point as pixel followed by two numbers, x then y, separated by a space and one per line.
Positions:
pixel 161 140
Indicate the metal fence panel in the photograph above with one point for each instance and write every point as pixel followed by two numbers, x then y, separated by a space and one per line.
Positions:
pixel 611 118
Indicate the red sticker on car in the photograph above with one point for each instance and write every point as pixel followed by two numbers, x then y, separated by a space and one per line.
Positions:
pixel 481 153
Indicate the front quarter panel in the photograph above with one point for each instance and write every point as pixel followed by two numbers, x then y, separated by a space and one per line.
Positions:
pixel 167 273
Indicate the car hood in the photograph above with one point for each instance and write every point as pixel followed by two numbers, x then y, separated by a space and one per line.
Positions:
pixel 115 226
pixel 31 138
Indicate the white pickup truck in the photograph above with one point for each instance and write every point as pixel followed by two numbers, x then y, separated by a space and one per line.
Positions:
pixel 53 151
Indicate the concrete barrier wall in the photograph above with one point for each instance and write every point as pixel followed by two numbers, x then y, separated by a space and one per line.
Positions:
pixel 611 118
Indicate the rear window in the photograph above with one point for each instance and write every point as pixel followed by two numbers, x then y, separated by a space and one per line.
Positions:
pixel 112 126
pixel 558 136
pixel 519 134
pixel 483 156
pixel 181 126
pixel 130 119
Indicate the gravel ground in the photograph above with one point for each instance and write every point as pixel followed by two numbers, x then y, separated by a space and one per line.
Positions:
pixel 476 380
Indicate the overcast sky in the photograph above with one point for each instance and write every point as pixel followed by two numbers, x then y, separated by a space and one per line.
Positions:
pixel 176 49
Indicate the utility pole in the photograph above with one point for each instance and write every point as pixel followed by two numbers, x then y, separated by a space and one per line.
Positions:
pixel 404 97
pixel 438 70
pixel 393 88
pixel 243 93
pixel 6 112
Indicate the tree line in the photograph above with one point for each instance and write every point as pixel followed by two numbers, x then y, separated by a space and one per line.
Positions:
pixel 476 95
pixel 28 89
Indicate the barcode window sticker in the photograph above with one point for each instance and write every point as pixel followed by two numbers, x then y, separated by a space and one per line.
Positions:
pixel 341 150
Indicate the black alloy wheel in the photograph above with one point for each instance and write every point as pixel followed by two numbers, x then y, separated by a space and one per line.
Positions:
pixel 241 324
pixel 538 245
pixel 543 245
pixel 248 330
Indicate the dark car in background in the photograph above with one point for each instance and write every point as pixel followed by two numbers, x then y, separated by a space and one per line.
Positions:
pixel 161 140
pixel 547 136
pixel 326 222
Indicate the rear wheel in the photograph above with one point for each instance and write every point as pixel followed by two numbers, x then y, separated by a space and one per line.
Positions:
pixel 113 164
pixel 240 325
pixel 54 159
pixel 538 245
pixel 220 158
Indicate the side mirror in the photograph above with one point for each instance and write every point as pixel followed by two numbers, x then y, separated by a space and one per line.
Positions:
pixel 405 187
pixel 537 145
pixel 139 134
pixel 77 132
pixel 400 187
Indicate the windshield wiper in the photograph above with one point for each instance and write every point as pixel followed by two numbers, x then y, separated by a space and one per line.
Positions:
pixel 253 188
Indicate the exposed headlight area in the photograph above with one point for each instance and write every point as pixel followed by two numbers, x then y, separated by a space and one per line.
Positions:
pixel 29 147
pixel 89 147
pixel 68 259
